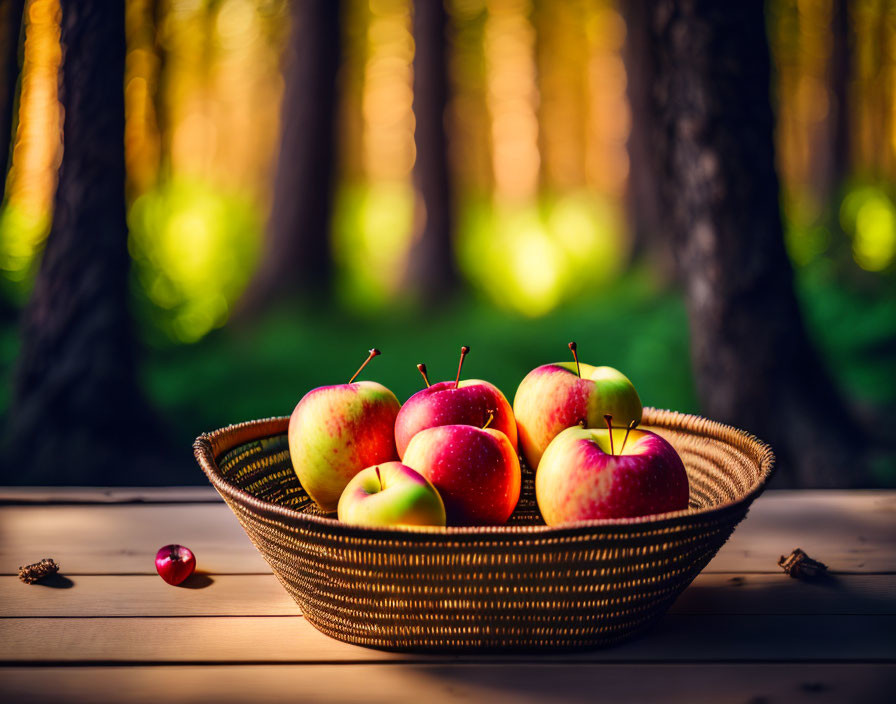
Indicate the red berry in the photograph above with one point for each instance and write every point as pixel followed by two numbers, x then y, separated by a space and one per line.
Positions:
pixel 175 563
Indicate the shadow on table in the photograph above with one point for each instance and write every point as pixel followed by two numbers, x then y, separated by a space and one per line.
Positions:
pixel 707 647
pixel 760 594
pixel 627 683
pixel 197 580
pixel 56 581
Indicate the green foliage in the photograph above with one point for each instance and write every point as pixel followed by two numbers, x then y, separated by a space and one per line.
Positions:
pixel 530 258
pixel 22 234
pixel 855 327
pixel 263 370
pixel 194 249
pixel 9 348
pixel 807 235
pixel 371 234
pixel 868 215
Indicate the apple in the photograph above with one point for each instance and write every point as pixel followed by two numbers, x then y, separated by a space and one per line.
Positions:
pixel 590 473
pixel 391 494
pixel 336 431
pixel 554 397
pixel 468 402
pixel 475 470
pixel 175 563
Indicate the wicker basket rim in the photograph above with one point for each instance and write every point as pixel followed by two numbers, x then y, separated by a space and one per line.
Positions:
pixel 209 446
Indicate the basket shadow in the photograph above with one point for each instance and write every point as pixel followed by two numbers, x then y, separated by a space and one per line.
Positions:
pixel 773 594
pixel 631 683
pixel 745 619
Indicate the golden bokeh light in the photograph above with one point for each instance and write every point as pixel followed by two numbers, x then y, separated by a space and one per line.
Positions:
pixel 388 120
pixel 609 116
pixel 563 54
pixel 512 98
pixel 868 215
pixel 194 249
pixel 25 216
pixel 375 207
pixel 801 47
pixel 537 127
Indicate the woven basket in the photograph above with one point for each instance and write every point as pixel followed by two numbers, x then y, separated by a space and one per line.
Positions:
pixel 519 587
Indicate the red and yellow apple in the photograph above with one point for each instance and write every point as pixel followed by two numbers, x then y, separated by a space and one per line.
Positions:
pixel 554 397
pixel 584 475
pixel 391 494
pixel 468 402
pixel 476 471
pixel 336 431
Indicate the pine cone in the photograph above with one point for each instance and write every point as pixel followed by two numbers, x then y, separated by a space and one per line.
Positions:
pixel 800 566
pixel 30 574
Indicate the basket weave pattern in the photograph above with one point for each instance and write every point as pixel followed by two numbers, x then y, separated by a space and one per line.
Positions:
pixel 520 587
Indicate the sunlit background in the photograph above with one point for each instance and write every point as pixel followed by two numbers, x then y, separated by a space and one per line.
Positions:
pixel 538 125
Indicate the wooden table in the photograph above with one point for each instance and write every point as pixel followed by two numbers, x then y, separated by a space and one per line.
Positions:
pixel 113 631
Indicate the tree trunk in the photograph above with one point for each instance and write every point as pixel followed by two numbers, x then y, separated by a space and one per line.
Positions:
pixel 642 195
pixel 10 34
pixel 431 270
pixel 883 92
pixel 840 72
pixel 77 414
pixel 754 363
pixel 298 255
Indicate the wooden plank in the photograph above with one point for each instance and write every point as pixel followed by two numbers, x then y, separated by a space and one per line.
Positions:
pixel 108 495
pixel 247 640
pixel 124 539
pixel 144 595
pixel 496 684
pixel 850 531
pixel 262 595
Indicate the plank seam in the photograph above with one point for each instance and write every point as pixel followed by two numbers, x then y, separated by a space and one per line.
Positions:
pixel 481 660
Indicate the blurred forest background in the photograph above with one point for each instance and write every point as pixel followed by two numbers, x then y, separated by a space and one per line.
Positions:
pixel 292 199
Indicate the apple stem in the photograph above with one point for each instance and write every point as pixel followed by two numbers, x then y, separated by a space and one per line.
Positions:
pixel 609 419
pixel 491 417
pixel 370 355
pixel 378 477
pixel 572 348
pixel 422 369
pixel 631 427
pixel 463 353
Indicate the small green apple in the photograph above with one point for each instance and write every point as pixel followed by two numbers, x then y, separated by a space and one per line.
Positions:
pixel 391 494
